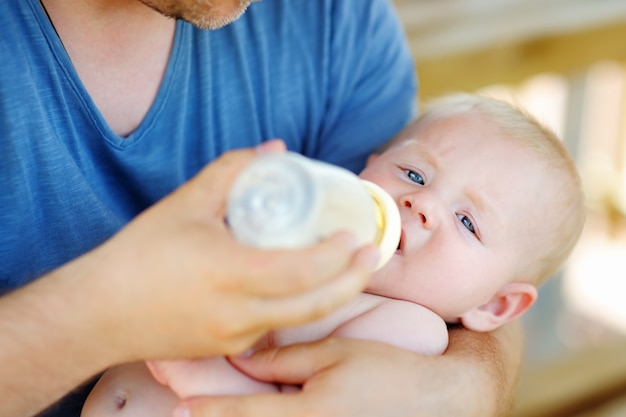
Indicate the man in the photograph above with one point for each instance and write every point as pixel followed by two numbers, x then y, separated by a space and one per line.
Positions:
pixel 111 252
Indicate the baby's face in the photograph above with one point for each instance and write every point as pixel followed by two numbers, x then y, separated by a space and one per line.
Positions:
pixel 472 205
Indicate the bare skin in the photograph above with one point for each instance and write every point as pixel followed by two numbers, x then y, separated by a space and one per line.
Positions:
pixel 137 395
pixel 120 50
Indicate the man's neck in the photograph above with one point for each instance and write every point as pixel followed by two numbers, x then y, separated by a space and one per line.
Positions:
pixel 120 49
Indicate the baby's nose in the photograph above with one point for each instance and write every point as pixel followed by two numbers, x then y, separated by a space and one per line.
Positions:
pixel 420 213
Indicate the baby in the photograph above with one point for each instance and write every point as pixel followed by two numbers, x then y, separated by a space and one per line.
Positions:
pixel 491 206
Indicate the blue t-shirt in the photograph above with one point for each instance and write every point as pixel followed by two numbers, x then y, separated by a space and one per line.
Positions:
pixel 333 78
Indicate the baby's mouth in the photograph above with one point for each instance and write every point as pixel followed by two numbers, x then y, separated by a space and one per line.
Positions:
pixel 400 247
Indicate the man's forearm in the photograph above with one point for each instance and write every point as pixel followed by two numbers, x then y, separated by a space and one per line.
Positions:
pixel 48 342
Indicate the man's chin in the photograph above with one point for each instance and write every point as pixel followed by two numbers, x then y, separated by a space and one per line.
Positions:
pixel 218 22
pixel 200 13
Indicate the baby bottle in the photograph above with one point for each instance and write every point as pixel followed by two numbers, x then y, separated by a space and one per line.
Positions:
pixel 285 200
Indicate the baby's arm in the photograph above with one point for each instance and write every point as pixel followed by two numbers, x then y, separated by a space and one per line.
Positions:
pixel 400 323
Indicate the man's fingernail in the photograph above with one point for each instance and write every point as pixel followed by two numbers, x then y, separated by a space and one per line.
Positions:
pixel 270 146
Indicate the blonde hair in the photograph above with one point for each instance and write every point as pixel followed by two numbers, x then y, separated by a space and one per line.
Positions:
pixel 517 124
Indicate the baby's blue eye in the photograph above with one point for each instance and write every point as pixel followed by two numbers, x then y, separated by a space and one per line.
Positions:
pixel 415 177
pixel 467 223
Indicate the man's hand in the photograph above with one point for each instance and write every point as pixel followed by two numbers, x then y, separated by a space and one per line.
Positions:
pixel 173 283
pixel 344 377
pixel 181 286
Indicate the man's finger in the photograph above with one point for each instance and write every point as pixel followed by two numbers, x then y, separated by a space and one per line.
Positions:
pixel 295 309
pixel 293 364
pixel 294 270
pixel 216 178
pixel 283 273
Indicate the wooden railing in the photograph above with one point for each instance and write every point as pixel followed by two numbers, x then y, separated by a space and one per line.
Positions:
pixel 579 383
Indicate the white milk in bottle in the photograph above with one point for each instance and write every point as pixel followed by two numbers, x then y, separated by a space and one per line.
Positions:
pixel 285 200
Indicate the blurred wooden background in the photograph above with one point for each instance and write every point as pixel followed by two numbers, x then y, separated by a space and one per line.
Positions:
pixel 565 59
pixel 469 44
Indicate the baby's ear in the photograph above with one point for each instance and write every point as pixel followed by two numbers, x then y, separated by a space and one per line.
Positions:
pixel 510 302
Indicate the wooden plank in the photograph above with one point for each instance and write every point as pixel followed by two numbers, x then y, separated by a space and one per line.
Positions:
pixel 513 63
pixel 613 408
pixel 449 27
pixel 574 384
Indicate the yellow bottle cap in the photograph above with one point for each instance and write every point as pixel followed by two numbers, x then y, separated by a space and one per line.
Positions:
pixel 388 222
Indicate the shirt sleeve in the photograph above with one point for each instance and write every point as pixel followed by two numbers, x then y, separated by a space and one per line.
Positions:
pixel 371 81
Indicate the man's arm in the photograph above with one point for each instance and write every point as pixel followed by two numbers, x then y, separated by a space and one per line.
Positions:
pixel 490 364
pixel 48 342
pixel 476 377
